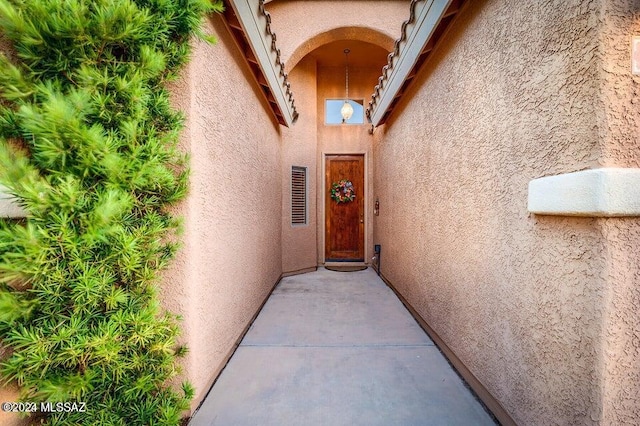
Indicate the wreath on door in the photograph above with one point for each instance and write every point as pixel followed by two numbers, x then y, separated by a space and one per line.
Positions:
pixel 342 191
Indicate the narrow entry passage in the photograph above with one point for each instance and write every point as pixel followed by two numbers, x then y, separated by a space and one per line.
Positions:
pixel 336 348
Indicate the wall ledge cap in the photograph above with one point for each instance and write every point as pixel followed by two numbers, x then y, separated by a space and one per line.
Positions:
pixel 9 207
pixel 604 192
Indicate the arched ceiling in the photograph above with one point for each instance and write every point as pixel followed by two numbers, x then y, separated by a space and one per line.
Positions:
pixel 427 23
pixel 347 35
pixel 362 54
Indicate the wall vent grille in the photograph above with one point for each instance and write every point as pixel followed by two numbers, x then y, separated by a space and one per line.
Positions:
pixel 298 195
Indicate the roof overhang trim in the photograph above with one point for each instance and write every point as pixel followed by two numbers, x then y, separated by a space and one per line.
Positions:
pixel 250 24
pixel 416 42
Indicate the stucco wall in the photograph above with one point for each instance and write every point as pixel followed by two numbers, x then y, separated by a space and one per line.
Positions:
pixel 619 120
pixel 10 394
pixel 299 146
pixel 621 346
pixel 232 251
pixel 231 255
pixel 515 93
pixel 620 144
pixel 302 26
pixel 306 144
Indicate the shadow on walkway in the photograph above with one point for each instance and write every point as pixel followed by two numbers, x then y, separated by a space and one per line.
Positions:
pixel 333 348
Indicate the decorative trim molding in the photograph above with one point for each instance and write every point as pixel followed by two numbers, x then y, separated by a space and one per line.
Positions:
pixel 9 208
pixel 250 25
pixel 428 20
pixel 606 192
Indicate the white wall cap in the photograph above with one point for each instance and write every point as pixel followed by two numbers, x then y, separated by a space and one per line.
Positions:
pixel 8 205
pixel 607 192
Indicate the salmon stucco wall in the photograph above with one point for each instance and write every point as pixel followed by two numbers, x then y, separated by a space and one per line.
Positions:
pixel 621 346
pixel 619 119
pixel 303 26
pixel 231 246
pixel 10 393
pixel 542 310
pixel 231 257
pixel 306 145
pixel 620 143
pixel 299 146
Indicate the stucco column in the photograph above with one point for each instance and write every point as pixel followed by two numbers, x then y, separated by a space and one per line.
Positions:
pixel 619 129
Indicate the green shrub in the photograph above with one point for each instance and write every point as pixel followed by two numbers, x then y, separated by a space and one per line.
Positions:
pixel 88 145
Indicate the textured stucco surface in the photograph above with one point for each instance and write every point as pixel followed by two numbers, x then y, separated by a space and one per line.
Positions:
pixel 8 205
pixel 9 394
pixel 302 27
pixel 232 252
pixel 299 144
pixel 306 145
pixel 231 255
pixel 621 351
pixel 620 144
pixel 619 119
pixel 542 310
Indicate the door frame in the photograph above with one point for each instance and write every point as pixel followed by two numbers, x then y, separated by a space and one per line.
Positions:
pixel 323 202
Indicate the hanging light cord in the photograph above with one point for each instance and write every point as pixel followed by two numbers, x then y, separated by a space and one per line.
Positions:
pixel 346 54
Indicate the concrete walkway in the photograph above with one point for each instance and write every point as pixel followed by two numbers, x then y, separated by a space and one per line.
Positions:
pixel 336 348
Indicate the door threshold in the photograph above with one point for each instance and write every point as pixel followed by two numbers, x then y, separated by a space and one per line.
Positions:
pixel 344 263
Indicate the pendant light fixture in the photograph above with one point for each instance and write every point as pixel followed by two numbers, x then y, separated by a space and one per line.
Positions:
pixel 347 110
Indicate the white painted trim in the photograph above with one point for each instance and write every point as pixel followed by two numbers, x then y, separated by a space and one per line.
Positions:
pixel 428 16
pixel 606 192
pixel 254 24
pixel 635 55
pixel 9 206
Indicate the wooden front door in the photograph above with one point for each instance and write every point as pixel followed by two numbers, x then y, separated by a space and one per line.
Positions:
pixel 344 222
